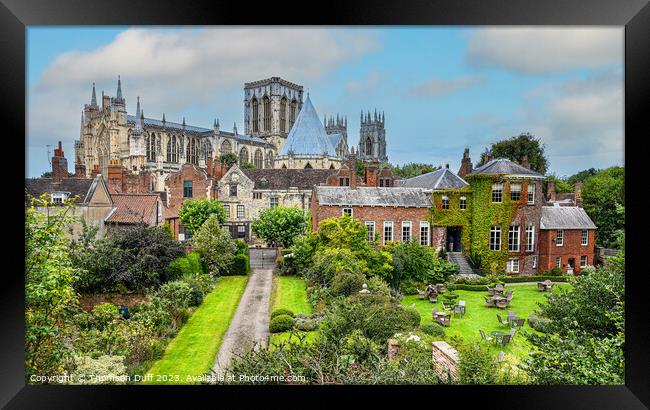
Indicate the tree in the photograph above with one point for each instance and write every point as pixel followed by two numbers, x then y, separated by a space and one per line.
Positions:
pixel 280 225
pixel 214 244
pixel 46 174
pixel 515 148
pixel 228 159
pixel 412 261
pixel 50 299
pixel 583 176
pixel 603 198
pixel 412 169
pixel 247 165
pixel 586 332
pixel 194 212
pixel 561 185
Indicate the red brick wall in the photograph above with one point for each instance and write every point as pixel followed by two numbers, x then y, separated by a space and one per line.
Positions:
pixel 572 248
pixel 379 215
pixel 201 185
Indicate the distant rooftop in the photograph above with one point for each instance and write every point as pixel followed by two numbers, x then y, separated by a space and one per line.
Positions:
pixel 504 166
pixel 436 180
pixel 372 196
pixel 565 217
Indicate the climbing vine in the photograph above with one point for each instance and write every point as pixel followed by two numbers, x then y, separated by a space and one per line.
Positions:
pixel 454 216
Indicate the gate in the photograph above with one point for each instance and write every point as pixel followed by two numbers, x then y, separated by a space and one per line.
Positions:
pixel 262 258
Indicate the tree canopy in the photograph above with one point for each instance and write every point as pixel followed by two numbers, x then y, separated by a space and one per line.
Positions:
pixel 194 212
pixel 603 198
pixel 280 225
pixel 214 244
pixel 412 169
pixel 515 148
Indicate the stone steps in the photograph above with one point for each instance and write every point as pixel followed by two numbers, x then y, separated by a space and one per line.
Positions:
pixel 459 259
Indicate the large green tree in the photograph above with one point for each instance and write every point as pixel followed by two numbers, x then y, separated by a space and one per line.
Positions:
pixel 214 244
pixel 228 159
pixel 412 169
pixel 194 212
pixel 515 148
pixel 280 225
pixel 604 200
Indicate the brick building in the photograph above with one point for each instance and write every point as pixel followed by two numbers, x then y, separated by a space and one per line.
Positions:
pixel 390 214
pixel 566 238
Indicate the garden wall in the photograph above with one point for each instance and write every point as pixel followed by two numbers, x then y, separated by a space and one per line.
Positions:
pixel 445 361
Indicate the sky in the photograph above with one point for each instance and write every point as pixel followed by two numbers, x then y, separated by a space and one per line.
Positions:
pixel 441 88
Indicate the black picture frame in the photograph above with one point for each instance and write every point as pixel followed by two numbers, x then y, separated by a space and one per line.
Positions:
pixel 15 15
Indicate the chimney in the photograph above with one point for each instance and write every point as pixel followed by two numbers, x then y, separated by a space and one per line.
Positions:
pixel 524 162
pixel 370 173
pixel 550 190
pixel 115 175
pixel 486 158
pixel 578 193
pixel 96 171
pixel 465 164
pixel 79 170
pixel 59 165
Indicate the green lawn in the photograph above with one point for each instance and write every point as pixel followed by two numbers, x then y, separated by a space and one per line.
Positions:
pixel 193 350
pixel 290 292
pixel 478 316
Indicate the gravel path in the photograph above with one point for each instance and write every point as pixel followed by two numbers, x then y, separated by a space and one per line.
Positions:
pixel 251 321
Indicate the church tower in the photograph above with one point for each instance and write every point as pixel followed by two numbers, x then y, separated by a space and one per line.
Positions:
pixel 271 107
pixel 372 137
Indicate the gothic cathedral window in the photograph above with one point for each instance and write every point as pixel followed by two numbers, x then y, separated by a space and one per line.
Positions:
pixel 368 146
pixel 267 113
pixel 226 148
pixel 283 115
pixel 292 113
pixel 255 117
pixel 243 156
pixel 257 160
pixel 169 148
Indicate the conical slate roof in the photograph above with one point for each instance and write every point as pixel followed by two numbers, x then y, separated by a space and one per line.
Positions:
pixel 308 136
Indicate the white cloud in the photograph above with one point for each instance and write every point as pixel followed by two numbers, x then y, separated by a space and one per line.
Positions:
pixel 543 50
pixel 437 86
pixel 364 86
pixel 178 71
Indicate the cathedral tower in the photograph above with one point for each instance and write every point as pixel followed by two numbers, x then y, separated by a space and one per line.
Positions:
pixel 271 107
pixel 372 137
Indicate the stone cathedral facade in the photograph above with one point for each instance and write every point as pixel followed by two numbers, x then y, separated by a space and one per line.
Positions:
pixel 274 114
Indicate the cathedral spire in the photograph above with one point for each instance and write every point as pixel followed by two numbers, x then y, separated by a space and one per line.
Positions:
pixel 82 123
pixel 93 99
pixel 183 122
pixel 137 110
pixel 119 88
pixel 163 120
pixel 234 127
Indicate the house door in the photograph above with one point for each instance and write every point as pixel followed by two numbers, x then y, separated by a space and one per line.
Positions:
pixel 454 236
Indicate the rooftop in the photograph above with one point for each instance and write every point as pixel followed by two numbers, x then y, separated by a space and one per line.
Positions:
pixel 436 180
pixel 285 178
pixel 308 136
pixel 372 196
pixel 504 166
pixel 35 187
pixel 565 217
pixel 133 208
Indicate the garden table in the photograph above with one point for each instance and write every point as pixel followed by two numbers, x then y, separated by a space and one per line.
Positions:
pixel 497 336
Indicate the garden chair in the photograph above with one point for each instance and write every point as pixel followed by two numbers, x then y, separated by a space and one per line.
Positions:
pixel 421 295
pixel 444 320
pixel 485 337
pixel 463 307
pixel 440 288
pixel 434 314
pixel 489 302
pixel 511 314
pixel 501 356
pixel 458 309
pixel 490 290
pixel 519 322
pixel 541 286
pixel 502 304
pixel 445 307
pixel 509 295
pixel 505 340
pixel 512 333
pixel 433 298
pixel 501 321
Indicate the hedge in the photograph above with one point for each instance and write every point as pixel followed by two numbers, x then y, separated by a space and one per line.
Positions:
pixel 240 265
pixel 184 266
pixel 242 247
pixel 537 278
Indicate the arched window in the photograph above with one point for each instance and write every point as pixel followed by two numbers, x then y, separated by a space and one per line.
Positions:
pixel 243 156
pixel 267 113
pixel 257 159
pixel 308 166
pixel 151 156
pixel 269 159
pixel 208 150
pixel 283 114
pixel 256 115
pixel 195 156
pixel 169 148
pixel 175 148
pixel 226 147
pixel 147 146
pixel 188 151
pixel 368 146
pixel 292 113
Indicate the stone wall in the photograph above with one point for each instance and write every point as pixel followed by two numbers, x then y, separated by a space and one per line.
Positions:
pixel 445 361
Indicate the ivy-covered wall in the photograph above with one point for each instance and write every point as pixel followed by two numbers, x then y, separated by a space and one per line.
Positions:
pixel 454 216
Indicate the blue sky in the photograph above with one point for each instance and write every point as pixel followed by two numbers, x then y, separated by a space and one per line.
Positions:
pixel 442 89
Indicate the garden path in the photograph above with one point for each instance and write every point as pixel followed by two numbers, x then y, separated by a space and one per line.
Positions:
pixel 251 321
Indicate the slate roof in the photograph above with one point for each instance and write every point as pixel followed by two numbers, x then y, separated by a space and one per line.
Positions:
pixel 372 196
pixel 504 166
pixel 200 130
pixel 132 208
pixel 335 139
pixel 308 136
pixel 439 179
pixel 35 187
pixel 565 217
pixel 285 178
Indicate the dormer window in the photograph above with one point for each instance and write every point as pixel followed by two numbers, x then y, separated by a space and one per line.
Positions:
pixel 59 197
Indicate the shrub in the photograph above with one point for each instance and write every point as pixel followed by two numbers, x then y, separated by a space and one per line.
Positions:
pixel 535 278
pixel 184 266
pixel 214 244
pixel 281 323
pixel 240 265
pixel 475 288
pixel 281 311
pixel 541 324
pixel 305 324
pixel 483 280
pixel 554 272
pixel 433 329
pixel 412 317
pixel 410 287
pixel 242 247
pixel 346 283
pixel 104 314
pixel 379 287
pixel 102 370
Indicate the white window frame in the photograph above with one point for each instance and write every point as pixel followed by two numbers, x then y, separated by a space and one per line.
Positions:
pixel 584 237
pixel 586 261
pixel 515 187
pixel 59 197
pixel 445 202
pixel 371 233
pixel 226 207
pixel 559 237
pixel 530 238
pixel 462 204
pixel 558 262
pixel 513 245
pixel 388 224
pixel 241 208
pixel 349 209
pixel 513 265
pixel 531 194
pixel 423 225
pixel 498 187
pixel 494 230
pixel 409 225
pixel 241 228
pixel 271 200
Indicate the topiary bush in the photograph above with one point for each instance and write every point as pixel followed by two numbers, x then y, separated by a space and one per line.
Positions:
pixel 281 323
pixel 281 311
pixel 433 329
